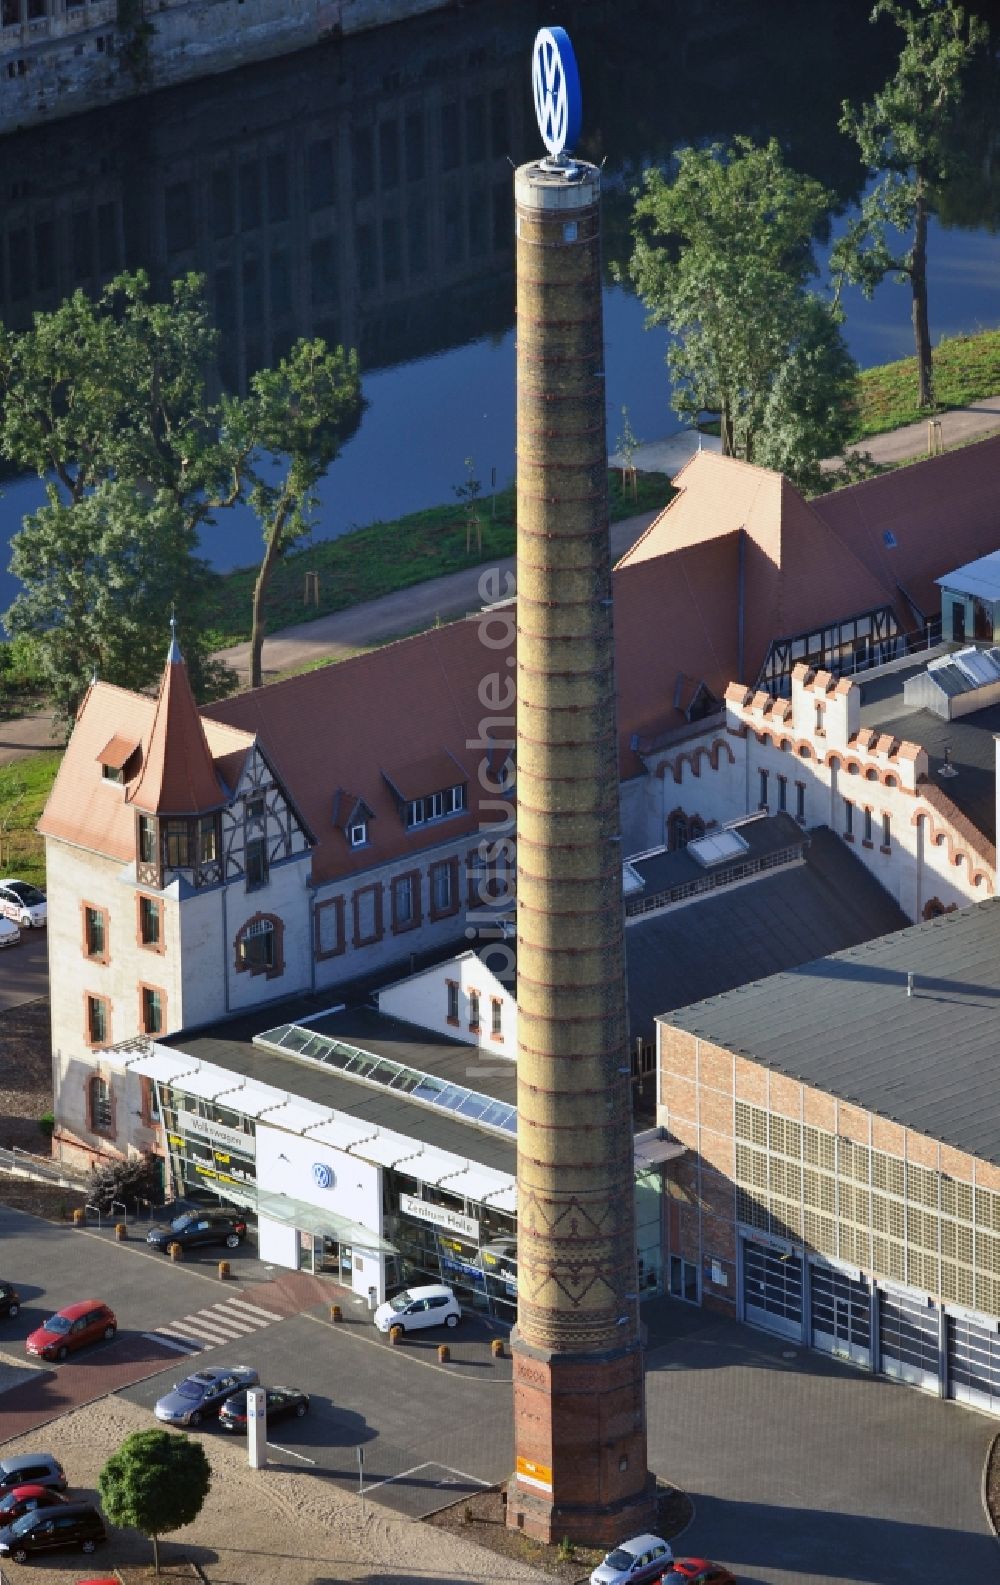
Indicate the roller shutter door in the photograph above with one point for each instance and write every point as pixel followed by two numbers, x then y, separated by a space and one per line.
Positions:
pixel 841 1314
pixel 772 1289
pixel 909 1340
pixel 973 1363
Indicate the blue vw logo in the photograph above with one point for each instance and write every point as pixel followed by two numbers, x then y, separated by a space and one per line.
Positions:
pixel 556 83
pixel 322 1175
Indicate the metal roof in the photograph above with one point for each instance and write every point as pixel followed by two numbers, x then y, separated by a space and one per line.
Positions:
pixel 980 577
pixel 845 1025
pixel 659 870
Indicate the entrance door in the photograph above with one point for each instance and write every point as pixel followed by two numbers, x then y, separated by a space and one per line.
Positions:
pixel 841 1314
pixel 307 1251
pixel 772 1289
pixel 909 1340
pixel 973 1363
pixel 958 621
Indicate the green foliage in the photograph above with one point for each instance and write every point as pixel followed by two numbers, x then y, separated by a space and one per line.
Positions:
pixel 156 1482
pixel 905 136
pixel 722 255
pixel 24 787
pixel 47 1123
pixel 125 1181
pixel 295 420
pixel 108 400
pixel 966 369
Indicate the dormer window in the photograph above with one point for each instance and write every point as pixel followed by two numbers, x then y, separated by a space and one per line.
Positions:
pixel 357 834
pixel 115 760
pixel 436 806
pixel 112 773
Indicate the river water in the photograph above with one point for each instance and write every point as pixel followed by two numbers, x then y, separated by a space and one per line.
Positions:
pixel 361 191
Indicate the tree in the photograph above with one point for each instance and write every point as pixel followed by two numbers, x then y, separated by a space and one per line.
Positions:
pixel 118 1181
pixel 107 400
pixel 156 1482
pixel 905 136
pixel 722 256
pixel 296 419
pixel 810 407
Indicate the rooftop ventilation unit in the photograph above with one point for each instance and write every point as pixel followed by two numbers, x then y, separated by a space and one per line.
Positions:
pixel 717 847
pixel 956 684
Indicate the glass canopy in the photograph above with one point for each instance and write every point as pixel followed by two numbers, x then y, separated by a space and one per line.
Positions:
pixel 484 1110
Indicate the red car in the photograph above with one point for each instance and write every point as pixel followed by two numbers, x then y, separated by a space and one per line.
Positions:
pixel 72 1328
pixel 696 1571
pixel 23 1499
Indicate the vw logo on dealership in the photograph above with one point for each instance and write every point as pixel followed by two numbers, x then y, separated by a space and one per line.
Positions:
pixel 556 83
pixel 322 1175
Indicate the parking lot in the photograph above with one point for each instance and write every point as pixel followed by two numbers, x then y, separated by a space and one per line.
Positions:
pixel 24 969
pixel 800 1469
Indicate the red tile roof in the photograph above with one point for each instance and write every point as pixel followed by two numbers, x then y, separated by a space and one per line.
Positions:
pixel 178 776
pixel 941 513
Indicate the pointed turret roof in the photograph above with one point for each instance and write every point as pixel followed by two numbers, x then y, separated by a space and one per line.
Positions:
pixel 177 776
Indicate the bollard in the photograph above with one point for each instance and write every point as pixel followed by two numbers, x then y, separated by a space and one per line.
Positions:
pixel 79 1216
pixel 496 1348
pixel 223 1270
pixel 395 1334
pixel 444 1353
pixel 121 1231
pixel 336 1313
pixel 175 1251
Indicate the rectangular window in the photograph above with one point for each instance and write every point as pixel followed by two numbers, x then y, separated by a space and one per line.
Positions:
pixel 435 806
pixel 112 773
pixel 800 801
pixel 763 789
pixel 257 945
pixel 886 832
pixel 848 818
pixel 330 936
pixel 176 844
pixel 452 1001
pixel 208 842
pixel 415 812
pixel 358 834
pixel 496 1022
pixel 455 800
pixel 402 900
pixel 255 807
pixel 101 1113
pixel 97 1020
pixel 474 1012
pixel 95 933
pixel 152 1010
pixel 147 839
pixel 783 793
pixel 150 922
pixel 441 887
pixel 367 904
pixel 256 863
pixel 868 826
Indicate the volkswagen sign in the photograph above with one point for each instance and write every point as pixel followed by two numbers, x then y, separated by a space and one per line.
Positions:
pixel 556 84
pixel 322 1175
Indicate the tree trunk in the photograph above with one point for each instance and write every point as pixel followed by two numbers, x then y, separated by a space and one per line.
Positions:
pixel 918 284
pixel 726 430
pixel 271 555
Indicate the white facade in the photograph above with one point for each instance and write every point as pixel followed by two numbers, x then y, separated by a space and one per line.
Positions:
pixel 460 999
pixel 811 757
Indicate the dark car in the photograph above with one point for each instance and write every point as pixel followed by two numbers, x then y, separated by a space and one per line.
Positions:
pixel 32 1469
pixel 25 1499
pixel 10 1300
pixel 281 1401
pixel 189 1401
pixel 200 1227
pixel 75 1524
pixel 72 1328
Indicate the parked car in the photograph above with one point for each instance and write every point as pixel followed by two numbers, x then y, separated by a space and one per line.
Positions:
pixel 72 1328
pixel 10 933
pixel 638 1561
pixel 76 1524
pixel 10 1300
pixel 697 1571
pixel 415 1308
pixel 23 903
pixel 281 1401
pixel 34 1469
pixel 200 1227
pixel 189 1401
pixel 25 1499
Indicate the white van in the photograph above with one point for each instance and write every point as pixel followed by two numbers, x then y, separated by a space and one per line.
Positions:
pixel 415 1308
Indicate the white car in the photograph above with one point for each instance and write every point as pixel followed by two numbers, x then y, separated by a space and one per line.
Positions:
pixel 635 1562
pixel 415 1308
pixel 23 903
pixel 10 935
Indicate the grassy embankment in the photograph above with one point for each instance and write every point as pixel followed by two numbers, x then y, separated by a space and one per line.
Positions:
pixel 966 368
pixel 24 787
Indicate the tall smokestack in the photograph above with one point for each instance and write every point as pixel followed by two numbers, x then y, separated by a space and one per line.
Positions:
pixel 579 1412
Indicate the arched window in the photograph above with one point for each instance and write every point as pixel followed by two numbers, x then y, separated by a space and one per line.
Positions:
pixel 677 831
pixel 260 947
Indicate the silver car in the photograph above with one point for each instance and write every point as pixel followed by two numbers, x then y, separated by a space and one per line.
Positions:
pixel 635 1562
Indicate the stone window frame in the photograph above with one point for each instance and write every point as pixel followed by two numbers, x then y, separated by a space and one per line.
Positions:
pixel 143 987
pixel 452 907
pixel 496 1018
pixel 104 956
pixel 401 926
pixel 107 1129
pixel 339 913
pixel 454 991
pixel 148 1112
pixel 276 968
pixel 159 946
pixel 88 1038
pixel 359 940
pixel 475 1009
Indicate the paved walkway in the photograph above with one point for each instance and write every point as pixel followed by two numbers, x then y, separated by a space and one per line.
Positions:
pixel 341 634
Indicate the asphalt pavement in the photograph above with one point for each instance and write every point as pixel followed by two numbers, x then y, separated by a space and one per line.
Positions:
pixel 24 970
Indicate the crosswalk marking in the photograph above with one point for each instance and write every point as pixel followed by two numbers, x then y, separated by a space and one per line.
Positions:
pixel 255 1309
pixel 228 1322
